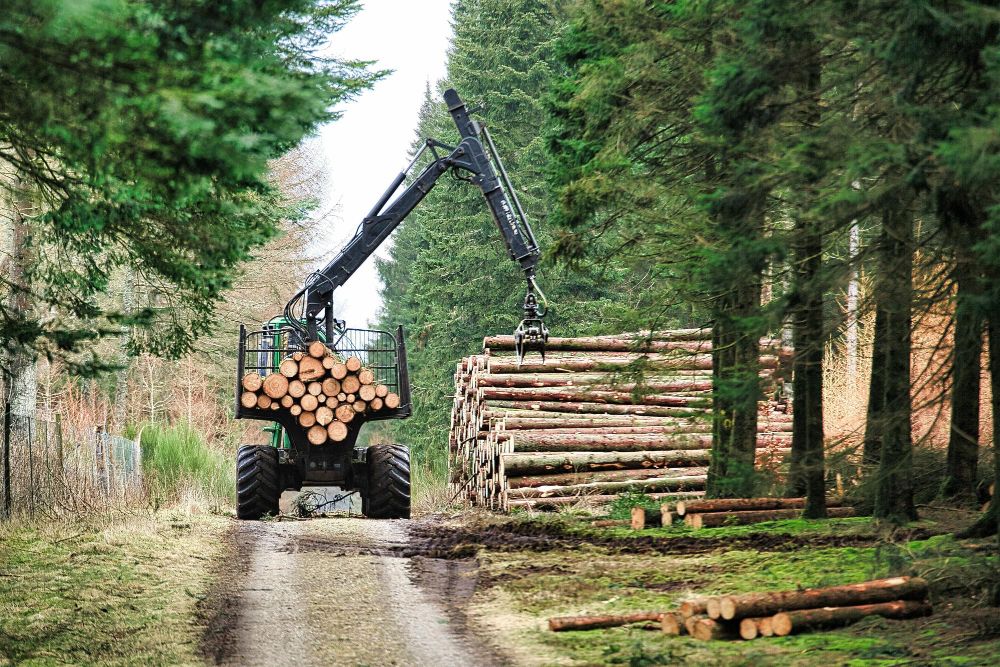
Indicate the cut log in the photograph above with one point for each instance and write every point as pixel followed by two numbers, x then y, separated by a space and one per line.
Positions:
pixel 786 623
pixel 295 410
pixel 350 384
pixel 337 431
pixel 716 519
pixel 332 402
pixel 331 387
pixel 341 397
pixel 321 398
pixel 324 415
pixel 309 402
pixel 251 382
pixel 367 392
pixel 317 349
pixel 297 356
pixel 349 398
pixel 307 419
pixel 275 385
pixel 263 401
pixel 287 401
pixel 582 394
pixel 296 388
pixel 564 623
pixel 744 504
pixel 765 627
pixel 391 400
pixel 570 478
pixel 360 406
pixel 275 405
pixel 867 592
pixel 289 368
pixel 314 388
pixel 381 390
pixel 593 499
pixel 366 376
pixel 672 624
pixel 609 523
pixel 248 399
pixel 596 381
pixel 750 628
pixel 339 371
pixel 602 408
pixel 345 413
pixel 328 361
pixel 693 482
pixel 643 518
pixel 353 364
pixel 707 629
pixel 316 435
pixel 376 404
pixel 518 464
pixel 694 607
pixel 713 607
pixel 310 368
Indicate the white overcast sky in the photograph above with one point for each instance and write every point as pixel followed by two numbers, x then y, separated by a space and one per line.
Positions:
pixel 368 146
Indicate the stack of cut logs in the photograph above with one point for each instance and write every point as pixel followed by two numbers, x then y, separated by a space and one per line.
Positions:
pixel 599 416
pixel 321 391
pixel 753 615
pixel 712 513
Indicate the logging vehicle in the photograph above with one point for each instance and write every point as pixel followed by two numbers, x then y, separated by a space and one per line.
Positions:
pixel 320 382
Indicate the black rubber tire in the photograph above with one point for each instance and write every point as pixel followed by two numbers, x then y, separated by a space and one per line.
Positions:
pixel 388 492
pixel 257 488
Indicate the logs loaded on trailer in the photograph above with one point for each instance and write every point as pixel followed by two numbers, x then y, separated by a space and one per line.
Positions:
pixel 321 391
pixel 753 615
pixel 584 423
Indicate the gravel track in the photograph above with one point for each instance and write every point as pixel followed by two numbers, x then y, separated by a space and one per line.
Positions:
pixel 336 591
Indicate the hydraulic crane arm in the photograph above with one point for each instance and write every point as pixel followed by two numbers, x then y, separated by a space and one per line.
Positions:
pixel 468 161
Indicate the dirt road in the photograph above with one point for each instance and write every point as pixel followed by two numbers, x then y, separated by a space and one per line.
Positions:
pixel 339 591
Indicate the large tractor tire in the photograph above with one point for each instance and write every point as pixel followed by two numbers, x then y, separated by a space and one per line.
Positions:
pixel 388 492
pixel 257 489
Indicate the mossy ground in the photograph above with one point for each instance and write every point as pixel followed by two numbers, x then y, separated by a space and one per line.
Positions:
pixel 593 579
pixel 106 593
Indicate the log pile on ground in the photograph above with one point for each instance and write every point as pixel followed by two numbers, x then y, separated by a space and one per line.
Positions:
pixel 601 415
pixel 711 513
pixel 321 392
pixel 755 615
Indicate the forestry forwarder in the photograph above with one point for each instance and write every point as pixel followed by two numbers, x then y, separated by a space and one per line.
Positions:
pixel 381 473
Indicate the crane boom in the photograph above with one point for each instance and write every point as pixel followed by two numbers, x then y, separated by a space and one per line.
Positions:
pixel 470 160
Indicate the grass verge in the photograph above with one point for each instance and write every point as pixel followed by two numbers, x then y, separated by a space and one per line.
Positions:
pixel 179 463
pixel 119 594
pixel 600 575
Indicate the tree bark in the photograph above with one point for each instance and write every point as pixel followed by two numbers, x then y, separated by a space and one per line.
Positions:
pixel 874 420
pixel 866 592
pixel 894 491
pixel 786 623
pixel 963 441
pixel 22 377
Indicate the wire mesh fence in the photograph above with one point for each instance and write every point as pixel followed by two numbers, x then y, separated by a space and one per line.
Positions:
pixel 50 468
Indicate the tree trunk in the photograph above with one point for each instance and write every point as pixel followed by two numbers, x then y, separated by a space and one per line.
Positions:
pixel 963 442
pixel 872 452
pixel 894 491
pixel 549 464
pixel 786 623
pixel 866 592
pixel 22 381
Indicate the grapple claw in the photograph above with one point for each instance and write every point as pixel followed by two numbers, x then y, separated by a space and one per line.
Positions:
pixel 531 334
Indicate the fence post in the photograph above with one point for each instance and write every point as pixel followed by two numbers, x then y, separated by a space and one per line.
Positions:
pixel 6 460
